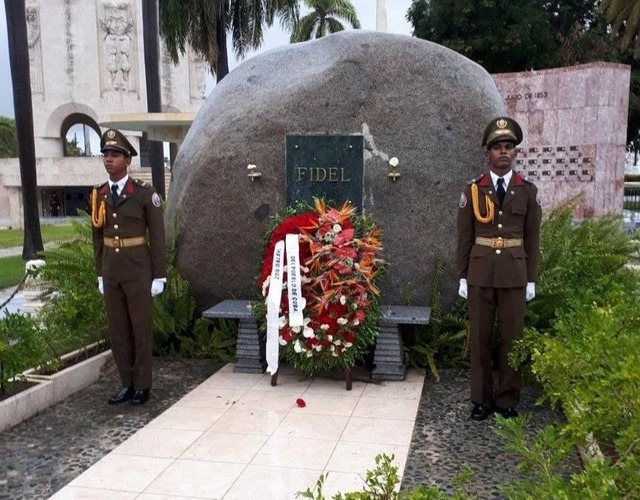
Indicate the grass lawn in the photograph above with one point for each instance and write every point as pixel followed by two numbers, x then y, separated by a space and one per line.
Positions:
pixel 11 271
pixel 50 232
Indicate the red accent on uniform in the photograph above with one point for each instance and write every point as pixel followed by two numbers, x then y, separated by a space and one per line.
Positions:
pixel 484 181
pixel 130 188
pixel 518 180
pixel 104 189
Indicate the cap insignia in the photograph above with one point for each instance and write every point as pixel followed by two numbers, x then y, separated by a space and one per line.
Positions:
pixel 111 134
pixel 501 123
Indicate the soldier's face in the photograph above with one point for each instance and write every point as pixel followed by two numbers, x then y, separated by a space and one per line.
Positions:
pixel 501 155
pixel 116 164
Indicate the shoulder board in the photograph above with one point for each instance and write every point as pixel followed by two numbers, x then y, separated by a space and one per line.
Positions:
pixel 476 179
pixel 140 183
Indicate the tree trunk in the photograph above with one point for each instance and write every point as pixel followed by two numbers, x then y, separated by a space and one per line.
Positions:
pixel 154 97
pixel 222 68
pixel 21 80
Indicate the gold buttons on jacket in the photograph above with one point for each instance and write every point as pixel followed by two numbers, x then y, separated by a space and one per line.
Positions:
pixel 115 226
pixel 499 226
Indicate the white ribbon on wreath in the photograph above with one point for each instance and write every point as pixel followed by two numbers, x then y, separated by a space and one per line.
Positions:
pixel 294 288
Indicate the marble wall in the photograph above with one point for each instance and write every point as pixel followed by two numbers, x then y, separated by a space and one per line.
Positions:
pixel 575 127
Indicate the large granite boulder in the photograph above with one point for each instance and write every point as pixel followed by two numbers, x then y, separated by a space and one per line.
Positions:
pixel 410 98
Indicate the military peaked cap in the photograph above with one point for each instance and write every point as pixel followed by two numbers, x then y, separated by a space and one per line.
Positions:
pixel 114 140
pixel 502 128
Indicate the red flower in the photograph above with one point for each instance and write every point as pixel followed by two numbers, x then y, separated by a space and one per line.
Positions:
pixel 301 403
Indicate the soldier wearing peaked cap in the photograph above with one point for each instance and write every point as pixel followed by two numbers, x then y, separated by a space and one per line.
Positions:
pixel 497 260
pixel 130 258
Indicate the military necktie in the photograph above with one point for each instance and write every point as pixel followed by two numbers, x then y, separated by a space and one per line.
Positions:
pixel 114 193
pixel 500 191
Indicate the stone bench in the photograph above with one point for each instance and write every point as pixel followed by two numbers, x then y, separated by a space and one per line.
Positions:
pixel 388 355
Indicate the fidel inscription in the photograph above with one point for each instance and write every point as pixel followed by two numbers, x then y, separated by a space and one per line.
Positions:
pixel 329 166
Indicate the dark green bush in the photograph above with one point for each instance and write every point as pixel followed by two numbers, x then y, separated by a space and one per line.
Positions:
pixel 21 346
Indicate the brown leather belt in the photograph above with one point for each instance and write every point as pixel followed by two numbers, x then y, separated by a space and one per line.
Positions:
pixel 124 242
pixel 499 242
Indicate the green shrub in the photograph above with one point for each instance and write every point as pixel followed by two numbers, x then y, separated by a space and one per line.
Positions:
pixel 21 346
pixel 214 340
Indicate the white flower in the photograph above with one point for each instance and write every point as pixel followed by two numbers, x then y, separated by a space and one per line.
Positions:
pixel 342 321
pixel 282 341
pixel 251 166
pixel 297 346
pixel 304 269
pixel 324 326
pixel 309 354
pixel 295 329
pixel 393 162
pixel 343 299
pixel 282 321
pixel 318 347
pixel 337 228
pixel 334 354
pixel 308 332
pixel 347 344
pixel 355 322
pixel 330 338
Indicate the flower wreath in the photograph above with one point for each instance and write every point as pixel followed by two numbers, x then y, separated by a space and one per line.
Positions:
pixel 340 264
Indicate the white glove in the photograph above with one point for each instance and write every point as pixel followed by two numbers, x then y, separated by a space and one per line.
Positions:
pixel 531 291
pixel 100 285
pixel 462 290
pixel 157 287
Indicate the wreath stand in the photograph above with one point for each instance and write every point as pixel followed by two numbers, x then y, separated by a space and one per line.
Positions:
pixel 348 377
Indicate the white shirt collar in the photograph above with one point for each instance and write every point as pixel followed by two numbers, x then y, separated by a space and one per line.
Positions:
pixel 120 183
pixel 506 177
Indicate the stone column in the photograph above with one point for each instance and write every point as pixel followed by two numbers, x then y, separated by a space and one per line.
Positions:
pixel 381 15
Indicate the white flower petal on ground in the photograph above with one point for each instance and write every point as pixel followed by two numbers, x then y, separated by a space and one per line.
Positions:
pixel 394 162
pixel 251 166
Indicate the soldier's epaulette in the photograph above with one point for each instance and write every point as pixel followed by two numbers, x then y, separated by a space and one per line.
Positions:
pixel 474 180
pixel 140 183
pixel 519 179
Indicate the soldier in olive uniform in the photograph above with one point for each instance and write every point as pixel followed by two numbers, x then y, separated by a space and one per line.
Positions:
pixel 130 257
pixel 498 246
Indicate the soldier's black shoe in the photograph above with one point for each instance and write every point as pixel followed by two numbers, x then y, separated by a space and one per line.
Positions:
pixel 124 394
pixel 480 412
pixel 140 397
pixel 510 412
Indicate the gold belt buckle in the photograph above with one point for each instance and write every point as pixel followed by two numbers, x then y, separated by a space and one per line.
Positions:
pixel 498 243
pixel 117 243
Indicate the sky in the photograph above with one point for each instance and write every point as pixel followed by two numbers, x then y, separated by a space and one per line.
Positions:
pixel 274 37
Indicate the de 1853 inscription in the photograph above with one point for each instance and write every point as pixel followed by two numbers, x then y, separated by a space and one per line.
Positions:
pixel 329 166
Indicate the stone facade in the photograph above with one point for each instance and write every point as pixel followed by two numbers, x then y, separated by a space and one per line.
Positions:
pixel 87 60
pixel 575 128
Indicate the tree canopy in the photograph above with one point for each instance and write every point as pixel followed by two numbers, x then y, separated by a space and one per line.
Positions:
pixel 324 19
pixel 8 138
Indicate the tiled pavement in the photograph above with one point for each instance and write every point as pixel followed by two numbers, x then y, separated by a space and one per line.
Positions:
pixel 228 435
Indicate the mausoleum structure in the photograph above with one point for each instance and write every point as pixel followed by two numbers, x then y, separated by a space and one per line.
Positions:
pixel 87 63
pixel 575 132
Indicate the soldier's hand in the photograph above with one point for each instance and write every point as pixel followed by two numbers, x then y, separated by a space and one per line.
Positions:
pixel 157 287
pixel 463 289
pixel 530 292
pixel 100 285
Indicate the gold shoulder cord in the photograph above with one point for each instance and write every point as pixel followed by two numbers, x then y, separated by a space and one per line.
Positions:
pixel 476 208
pixel 97 215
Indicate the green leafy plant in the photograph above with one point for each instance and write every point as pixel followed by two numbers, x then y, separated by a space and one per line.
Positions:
pixel 382 483
pixel 443 340
pixel 21 346
pixel 216 340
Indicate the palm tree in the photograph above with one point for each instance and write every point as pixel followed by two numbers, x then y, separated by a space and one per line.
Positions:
pixel 323 19
pixel 21 80
pixel 154 98
pixel 624 16
pixel 203 24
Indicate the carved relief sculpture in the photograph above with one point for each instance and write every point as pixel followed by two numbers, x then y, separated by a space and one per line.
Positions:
pixel 118 45
pixel 32 13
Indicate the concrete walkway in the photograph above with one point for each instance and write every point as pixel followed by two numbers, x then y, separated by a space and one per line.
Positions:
pixel 213 435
